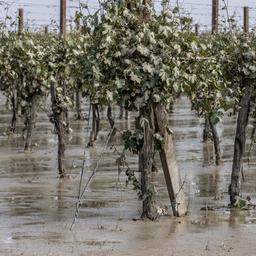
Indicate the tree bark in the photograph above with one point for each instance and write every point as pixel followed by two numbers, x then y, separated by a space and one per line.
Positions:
pixel 240 140
pixel 216 141
pixel 170 168
pixel 59 116
pixel 30 122
pixel 146 156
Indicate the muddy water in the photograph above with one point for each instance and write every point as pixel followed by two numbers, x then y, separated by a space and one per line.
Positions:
pixel 37 209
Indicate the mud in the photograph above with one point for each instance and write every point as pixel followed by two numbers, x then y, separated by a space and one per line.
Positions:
pixel 37 209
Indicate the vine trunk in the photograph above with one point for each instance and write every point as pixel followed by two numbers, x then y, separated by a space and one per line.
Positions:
pixel 30 121
pixel 240 140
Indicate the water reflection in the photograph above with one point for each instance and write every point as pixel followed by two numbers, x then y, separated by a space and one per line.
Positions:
pixel 208 153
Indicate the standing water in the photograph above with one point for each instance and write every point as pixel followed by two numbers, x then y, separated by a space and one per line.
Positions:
pixel 37 209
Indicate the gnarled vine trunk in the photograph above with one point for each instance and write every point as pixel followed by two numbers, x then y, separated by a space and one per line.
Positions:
pixel 110 117
pixel 30 121
pixel 14 111
pixel 206 131
pixel 170 167
pixel 146 156
pixel 154 167
pixel 216 142
pixel 59 116
pixel 78 105
pixel 95 124
pixel 67 123
pixel 240 140
pixel 121 111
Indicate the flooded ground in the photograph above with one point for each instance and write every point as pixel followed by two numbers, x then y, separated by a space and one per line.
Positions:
pixel 37 209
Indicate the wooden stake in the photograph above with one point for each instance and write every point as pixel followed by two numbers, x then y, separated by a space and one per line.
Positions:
pixel 46 30
pixel 63 17
pixel 60 113
pixel 215 16
pixel 20 21
pixel 174 184
pixel 196 29
pixel 246 19
pixel 78 21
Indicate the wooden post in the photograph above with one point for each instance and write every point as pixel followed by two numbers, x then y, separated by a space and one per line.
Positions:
pixel 215 16
pixel 63 17
pixel 196 29
pixel 59 112
pixel 14 97
pixel 20 21
pixel 172 176
pixel 246 19
pixel 78 21
pixel 77 89
pixel 46 30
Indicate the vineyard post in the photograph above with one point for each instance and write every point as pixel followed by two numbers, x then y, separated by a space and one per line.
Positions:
pixel 14 98
pixel 209 123
pixel 63 31
pixel 174 184
pixel 60 112
pixel 77 89
pixel 63 116
pixel 20 21
pixel 246 19
pixel 78 24
pixel 46 30
pixel 215 16
pixel 63 17
pixel 196 29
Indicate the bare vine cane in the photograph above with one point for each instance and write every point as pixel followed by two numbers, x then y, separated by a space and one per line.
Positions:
pixel 81 194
